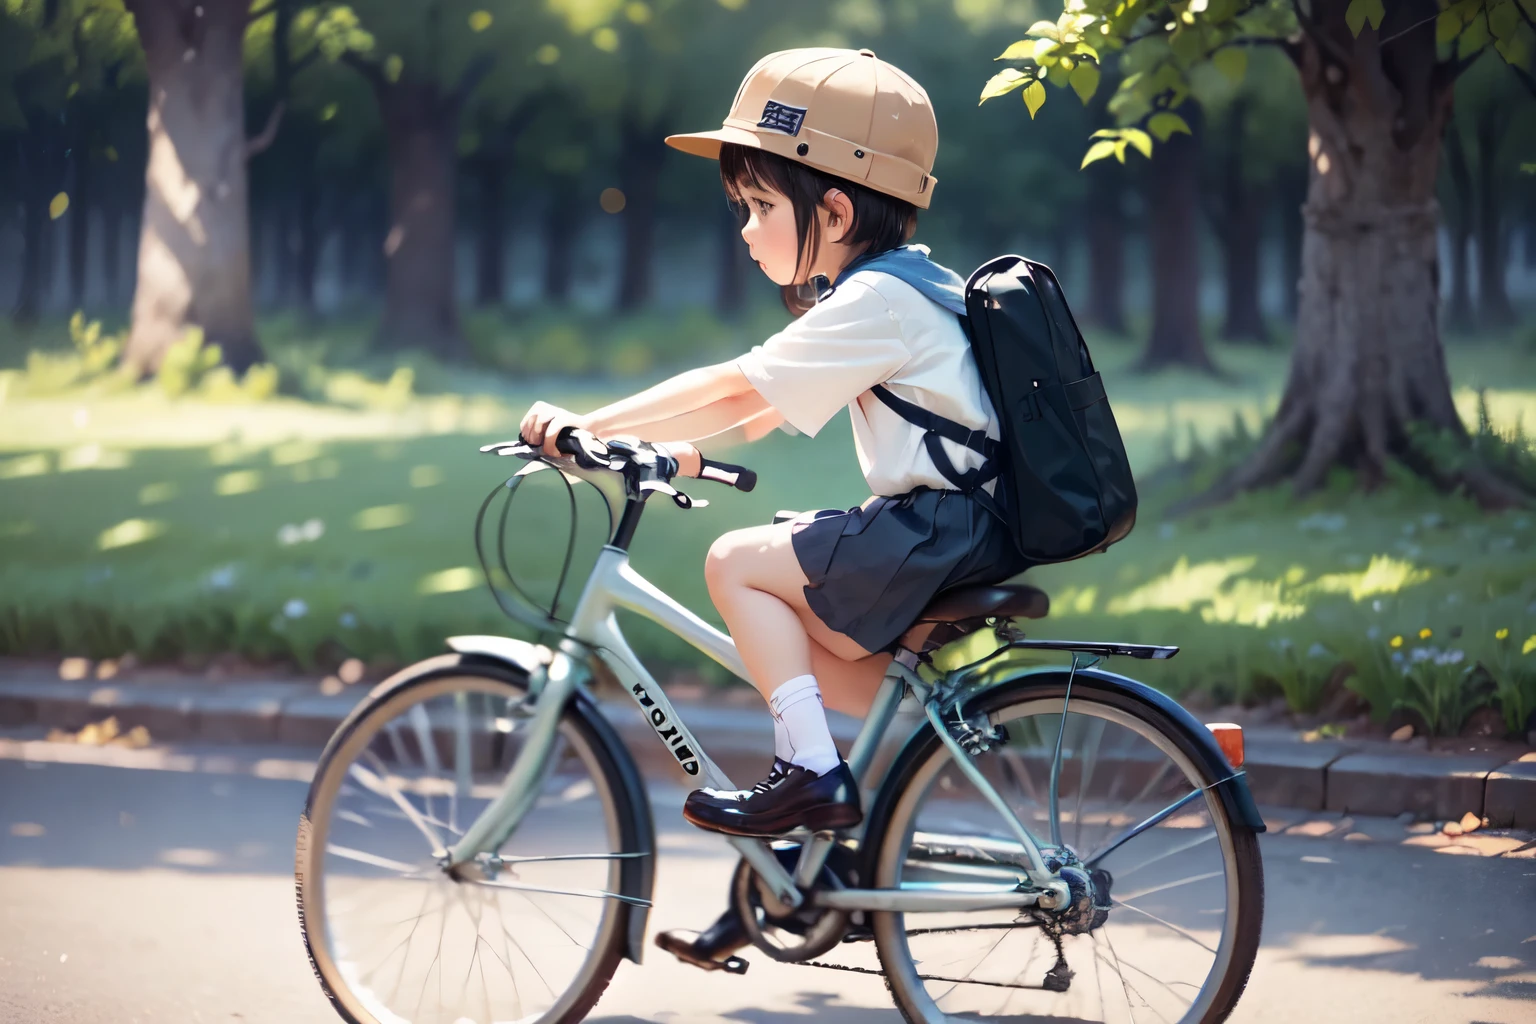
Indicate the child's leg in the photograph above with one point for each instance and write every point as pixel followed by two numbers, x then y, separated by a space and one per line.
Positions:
pixel 795 661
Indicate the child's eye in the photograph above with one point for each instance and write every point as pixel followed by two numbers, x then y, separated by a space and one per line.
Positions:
pixel 763 207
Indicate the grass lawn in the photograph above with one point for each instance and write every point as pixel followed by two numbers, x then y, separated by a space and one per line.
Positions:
pixel 304 531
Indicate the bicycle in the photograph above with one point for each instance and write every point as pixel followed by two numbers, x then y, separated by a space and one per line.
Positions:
pixel 961 876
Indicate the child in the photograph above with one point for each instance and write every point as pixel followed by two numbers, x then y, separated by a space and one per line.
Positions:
pixel 827 155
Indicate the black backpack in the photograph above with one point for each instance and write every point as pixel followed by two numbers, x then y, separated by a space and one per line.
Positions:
pixel 1064 483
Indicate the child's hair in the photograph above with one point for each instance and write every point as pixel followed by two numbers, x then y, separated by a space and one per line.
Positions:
pixel 880 221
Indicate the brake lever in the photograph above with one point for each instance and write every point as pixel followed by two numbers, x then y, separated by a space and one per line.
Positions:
pixel 682 500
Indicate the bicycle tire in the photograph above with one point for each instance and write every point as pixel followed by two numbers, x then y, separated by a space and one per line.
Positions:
pixel 892 815
pixel 417 683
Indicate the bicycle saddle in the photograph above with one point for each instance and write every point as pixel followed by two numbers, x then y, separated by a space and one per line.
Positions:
pixel 1008 601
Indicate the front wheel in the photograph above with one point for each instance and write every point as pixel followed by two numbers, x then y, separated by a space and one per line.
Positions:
pixel 392 937
pixel 1170 917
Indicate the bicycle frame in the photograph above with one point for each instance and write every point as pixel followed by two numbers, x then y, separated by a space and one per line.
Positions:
pixel 615 585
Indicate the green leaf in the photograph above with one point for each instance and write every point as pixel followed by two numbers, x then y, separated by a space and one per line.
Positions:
pixel 1084 48
pixel 1473 38
pixel 1232 62
pixel 1048 29
pixel 1045 50
pixel 1503 19
pixel 1360 11
pixel 1140 139
pixel 1447 27
pixel 1059 74
pixel 1106 133
pixel 1165 123
pixel 1085 80
pixel 1515 51
pixel 1034 97
pixel 1120 150
pixel 1021 50
pixel 1097 151
pixel 1002 83
pixel 1528 168
pixel 393 65
pixel 1186 43
pixel 479 21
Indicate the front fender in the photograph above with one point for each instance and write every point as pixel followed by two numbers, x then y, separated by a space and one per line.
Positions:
pixel 637 826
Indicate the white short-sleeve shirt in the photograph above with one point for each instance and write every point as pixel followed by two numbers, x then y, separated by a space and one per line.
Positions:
pixel 876 329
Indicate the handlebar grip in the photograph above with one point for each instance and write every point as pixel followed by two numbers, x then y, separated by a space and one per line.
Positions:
pixel 587 450
pixel 739 477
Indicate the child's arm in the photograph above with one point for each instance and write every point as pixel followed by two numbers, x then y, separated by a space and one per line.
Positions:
pixel 673 398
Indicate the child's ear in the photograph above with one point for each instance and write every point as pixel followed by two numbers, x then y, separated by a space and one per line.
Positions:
pixel 839 213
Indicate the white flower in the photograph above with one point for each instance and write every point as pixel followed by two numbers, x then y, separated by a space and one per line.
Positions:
pixel 348 620
pixel 1452 657
pixel 222 578
pixel 1376 605
pixel 289 535
pixel 295 608
pixel 1419 654
pixel 1317 651
pixel 1281 643
pixel 1374 632
pixel 313 529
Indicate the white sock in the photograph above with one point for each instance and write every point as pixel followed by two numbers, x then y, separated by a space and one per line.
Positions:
pixel 800 733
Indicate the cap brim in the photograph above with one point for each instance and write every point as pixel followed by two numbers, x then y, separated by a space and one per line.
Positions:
pixel 707 144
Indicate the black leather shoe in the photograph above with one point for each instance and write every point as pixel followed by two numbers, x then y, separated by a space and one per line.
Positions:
pixel 790 797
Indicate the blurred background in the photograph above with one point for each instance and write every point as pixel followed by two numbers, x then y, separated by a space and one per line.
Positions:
pixel 255 337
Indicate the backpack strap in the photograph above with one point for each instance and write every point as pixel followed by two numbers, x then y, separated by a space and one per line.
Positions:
pixel 938 427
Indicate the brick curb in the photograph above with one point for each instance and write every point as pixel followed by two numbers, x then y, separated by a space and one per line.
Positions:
pixel 1359 777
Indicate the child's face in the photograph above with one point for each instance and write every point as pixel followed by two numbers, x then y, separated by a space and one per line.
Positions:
pixel 770 233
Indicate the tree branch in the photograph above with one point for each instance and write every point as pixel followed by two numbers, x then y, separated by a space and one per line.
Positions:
pixel 261 12
pixel 1321 38
pixel 369 69
pixel 259 143
pixel 303 62
pixel 473 75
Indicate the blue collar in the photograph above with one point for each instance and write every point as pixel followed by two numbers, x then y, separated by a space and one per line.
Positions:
pixel 910 263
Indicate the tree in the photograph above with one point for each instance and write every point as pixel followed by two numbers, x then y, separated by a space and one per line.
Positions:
pixel 194 240
pixel 1368 374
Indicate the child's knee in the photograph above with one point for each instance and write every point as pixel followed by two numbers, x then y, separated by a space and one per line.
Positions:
pixel 721 564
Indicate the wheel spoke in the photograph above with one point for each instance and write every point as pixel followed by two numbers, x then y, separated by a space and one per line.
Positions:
pixel 1170 885
pixel 596 894
pixel 406 870
pixel 1089 760
pixel 1170 926
pixel 381 787
pixel 1136 830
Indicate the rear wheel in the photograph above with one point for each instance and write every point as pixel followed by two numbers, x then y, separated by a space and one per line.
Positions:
pixel 1171 913
pixel 396 940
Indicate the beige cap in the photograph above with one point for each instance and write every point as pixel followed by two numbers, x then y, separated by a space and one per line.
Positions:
pixel 846 112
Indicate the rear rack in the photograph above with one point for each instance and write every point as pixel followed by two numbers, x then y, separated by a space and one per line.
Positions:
pixel 1145 652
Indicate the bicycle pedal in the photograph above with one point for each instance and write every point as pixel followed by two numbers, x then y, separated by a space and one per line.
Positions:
pixel 684 952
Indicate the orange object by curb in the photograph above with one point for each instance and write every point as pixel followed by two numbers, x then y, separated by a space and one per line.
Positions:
pixel 1229 737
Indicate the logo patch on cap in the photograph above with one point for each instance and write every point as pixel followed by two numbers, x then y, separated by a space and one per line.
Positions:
pixel 780 118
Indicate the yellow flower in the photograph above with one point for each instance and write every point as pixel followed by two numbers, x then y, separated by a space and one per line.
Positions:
pixel 1426 633
pixel 1397 641
pixel 1529 645
pixel 1502 634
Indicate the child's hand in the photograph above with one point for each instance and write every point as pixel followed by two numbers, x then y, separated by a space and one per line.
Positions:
pixel 544 422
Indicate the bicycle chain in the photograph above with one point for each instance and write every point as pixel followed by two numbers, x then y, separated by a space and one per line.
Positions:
pixel 1038 922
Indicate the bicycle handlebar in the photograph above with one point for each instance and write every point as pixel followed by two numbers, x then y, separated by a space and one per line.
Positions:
pixel 593 453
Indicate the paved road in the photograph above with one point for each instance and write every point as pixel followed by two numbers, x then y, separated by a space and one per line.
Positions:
pixel 133 894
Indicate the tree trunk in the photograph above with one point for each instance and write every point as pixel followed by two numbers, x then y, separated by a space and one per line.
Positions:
pixel 82 201
pixel 562 223
pixel 1459 314
pixel 420 310
pixel 1174 236
pixel 731 284
pixel 111 248
pixel 1104 232
pixel 490 234
pixel 1241 232
pixel 641 156
pixel 1368 363
pixel 1292 190
pixel 310 237
pixel 194 244
pixel 1493 309
pixel 38 179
